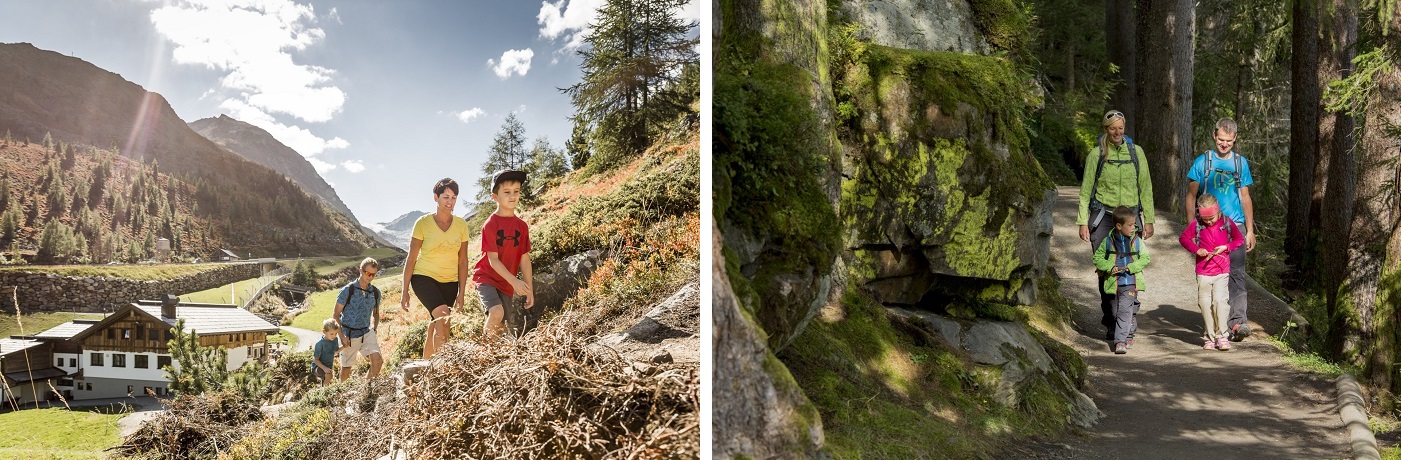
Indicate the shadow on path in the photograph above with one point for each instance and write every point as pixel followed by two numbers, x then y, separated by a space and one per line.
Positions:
pixel 1168 398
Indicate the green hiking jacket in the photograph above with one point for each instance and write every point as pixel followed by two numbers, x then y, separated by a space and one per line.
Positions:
pixel 1117 187
pixel 1103 262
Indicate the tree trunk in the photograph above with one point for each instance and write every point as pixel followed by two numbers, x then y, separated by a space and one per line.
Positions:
pixel 1342 184
pixel 1372 228
pixel 1164 89
pixel 1380 176
pixel 1119 35
pixel 1305 104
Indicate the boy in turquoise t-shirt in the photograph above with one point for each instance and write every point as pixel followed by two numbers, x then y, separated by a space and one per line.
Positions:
pixel 323 354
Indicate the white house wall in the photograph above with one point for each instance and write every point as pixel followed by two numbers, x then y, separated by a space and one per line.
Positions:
pixel 130 372
pixel 68 358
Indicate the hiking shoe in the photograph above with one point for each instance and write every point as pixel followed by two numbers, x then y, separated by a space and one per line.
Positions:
pixel 1240 331
pixel 1121 348
pixel 1222 343
pixel 1209 345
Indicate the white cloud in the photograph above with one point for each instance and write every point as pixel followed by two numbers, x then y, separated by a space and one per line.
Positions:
pixel 299 139
pixel 520 110
pixel 321 166
pixel 468 115
pixel 336 16
pixel 353 166
pixel 512 61
pixel 570 20
pixel 252 41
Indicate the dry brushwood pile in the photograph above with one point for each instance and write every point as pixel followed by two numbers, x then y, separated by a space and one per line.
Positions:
pixel 547 395
pixel 194 427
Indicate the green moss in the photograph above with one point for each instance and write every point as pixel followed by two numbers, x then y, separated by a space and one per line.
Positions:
pixel 888 388
pixel 1003 23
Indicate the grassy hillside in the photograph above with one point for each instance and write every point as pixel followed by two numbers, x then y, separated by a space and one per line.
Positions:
pixel 36 323
pixel 132 272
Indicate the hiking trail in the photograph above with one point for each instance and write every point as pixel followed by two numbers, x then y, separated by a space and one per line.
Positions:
pixel 1169 398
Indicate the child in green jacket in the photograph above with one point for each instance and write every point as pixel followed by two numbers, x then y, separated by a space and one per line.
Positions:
pixel 1123 257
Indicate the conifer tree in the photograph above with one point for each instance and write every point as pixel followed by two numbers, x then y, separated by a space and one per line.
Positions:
pixel 194 369
pixel 636 48
pixel 507 152
pixel 546 162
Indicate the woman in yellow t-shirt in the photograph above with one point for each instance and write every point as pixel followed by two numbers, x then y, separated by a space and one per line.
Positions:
pixel 437 265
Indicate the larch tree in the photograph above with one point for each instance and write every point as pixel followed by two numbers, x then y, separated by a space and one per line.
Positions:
pixel 507 152
pixel 636 48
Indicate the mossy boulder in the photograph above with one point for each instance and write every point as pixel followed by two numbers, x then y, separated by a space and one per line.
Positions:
pixel 775 158
pixel 931 25
pixel 940 193
pixel 1023 369
pixel 764 413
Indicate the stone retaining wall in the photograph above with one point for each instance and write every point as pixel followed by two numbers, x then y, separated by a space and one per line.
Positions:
pixel 49 292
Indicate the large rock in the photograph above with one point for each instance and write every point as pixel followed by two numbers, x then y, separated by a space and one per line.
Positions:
pixel 553 285
pixel 932 25
pixel 941 195
pixel 671 329
pixel 760 411
pixel 1022 360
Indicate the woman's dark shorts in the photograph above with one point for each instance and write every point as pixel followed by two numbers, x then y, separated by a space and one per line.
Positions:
pixel 432 293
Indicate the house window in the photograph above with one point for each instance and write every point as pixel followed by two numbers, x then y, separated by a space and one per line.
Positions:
pixel 143 362
pixel 59 363
pixel 129 389
pixel 96 359
pixel 153 334
pixel 162 361
pixel 89 384
pixel 126 333
pixel 118 359
pixel 72 362
pixel 111 334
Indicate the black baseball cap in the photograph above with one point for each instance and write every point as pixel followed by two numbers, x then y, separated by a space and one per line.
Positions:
pixel 506 175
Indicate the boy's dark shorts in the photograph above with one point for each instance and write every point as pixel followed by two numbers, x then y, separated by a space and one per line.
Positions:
pixel 318 374
pixel 432 293
pixel 491 297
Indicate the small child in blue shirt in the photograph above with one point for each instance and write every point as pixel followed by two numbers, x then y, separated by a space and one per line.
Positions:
pixel 324 353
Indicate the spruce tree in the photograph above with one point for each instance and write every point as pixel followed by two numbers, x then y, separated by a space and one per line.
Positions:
pixel 546 162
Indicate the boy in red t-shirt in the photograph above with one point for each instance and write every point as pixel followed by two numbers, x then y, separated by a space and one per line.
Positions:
pixel 505 250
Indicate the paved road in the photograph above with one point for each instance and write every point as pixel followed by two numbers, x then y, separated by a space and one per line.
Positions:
pixel 305 338
pixel 1169 398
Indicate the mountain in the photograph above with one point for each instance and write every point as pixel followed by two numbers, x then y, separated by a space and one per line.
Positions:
pixel 244 205
pixel 256 145
pixel 398 231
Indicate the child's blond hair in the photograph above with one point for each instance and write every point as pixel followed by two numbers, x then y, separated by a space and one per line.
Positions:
pixel 1207 200
pixel 330 324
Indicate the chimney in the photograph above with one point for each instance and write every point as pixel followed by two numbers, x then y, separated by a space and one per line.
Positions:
pixel 168 303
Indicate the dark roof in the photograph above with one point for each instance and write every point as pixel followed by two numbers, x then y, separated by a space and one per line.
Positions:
pixel 203 318
pixel 41 374
pixel 67 330
pixel 8 346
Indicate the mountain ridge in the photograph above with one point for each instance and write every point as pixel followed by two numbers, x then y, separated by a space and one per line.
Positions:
pixel 257 145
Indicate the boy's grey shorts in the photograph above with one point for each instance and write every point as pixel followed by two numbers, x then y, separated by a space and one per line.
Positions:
pixel 491 297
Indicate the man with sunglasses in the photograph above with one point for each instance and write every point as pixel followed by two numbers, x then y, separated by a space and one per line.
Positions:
pixel 357 311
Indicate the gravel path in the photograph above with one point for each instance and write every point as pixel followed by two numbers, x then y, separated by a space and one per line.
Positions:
pixel 1168 398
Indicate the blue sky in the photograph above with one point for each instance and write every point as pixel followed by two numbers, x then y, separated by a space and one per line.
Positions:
pixel 385 98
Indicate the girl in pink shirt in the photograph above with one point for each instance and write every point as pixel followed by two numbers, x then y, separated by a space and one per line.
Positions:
pixel 1212 239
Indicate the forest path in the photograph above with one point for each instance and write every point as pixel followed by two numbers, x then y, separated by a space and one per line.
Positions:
pixel 1169 398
